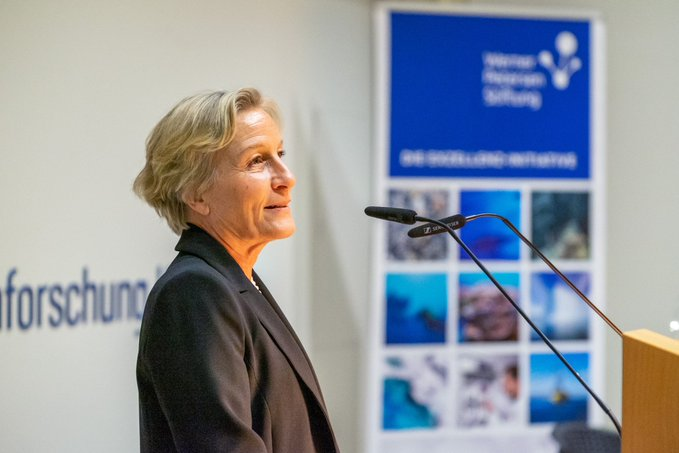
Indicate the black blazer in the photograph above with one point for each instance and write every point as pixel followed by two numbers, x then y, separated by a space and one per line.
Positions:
pixel 220 369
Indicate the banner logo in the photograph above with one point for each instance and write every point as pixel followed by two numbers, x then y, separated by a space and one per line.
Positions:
pixel 566 45
pixel 518 80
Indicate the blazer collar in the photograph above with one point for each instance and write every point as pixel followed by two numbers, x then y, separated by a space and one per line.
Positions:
pixel 196 241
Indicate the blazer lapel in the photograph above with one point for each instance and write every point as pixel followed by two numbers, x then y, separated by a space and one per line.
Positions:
pixel 276 323
pixel 197 242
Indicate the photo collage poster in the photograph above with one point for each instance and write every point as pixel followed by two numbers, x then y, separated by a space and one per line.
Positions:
pixel 485 112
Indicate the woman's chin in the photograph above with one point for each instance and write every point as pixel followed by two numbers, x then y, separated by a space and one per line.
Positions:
pixel 289 232
pixel 284 230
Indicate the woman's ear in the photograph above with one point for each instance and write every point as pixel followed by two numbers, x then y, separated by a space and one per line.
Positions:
pixel 196 202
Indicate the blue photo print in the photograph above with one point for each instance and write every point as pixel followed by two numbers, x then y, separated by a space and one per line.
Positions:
pixel 560 222
pixel 432 204
pixel 555 394
pixel 485 313
pixel 556 309
pixel 417 308
pixel 415 391
pixel 490 238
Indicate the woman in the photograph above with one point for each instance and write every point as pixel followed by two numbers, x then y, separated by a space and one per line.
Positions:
pixel 219 367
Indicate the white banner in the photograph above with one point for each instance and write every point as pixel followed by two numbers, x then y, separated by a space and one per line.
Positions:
pixel 485 111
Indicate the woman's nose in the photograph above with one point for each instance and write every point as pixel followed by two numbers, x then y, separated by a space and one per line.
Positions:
pixel 283 177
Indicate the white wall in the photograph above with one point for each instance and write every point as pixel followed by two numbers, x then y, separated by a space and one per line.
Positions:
pixel 82 83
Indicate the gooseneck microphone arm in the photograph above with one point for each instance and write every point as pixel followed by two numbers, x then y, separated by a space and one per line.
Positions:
pixel 412 217
pixel 554 269
pixel 541 334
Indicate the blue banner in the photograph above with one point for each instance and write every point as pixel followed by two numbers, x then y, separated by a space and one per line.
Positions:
pixel 489 97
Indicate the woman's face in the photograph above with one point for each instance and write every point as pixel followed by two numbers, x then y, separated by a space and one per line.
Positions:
pixel 249 203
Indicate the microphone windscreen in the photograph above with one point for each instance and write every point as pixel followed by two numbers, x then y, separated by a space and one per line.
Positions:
pixel 399 215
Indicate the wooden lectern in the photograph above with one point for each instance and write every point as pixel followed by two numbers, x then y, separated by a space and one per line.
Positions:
pixel 650 393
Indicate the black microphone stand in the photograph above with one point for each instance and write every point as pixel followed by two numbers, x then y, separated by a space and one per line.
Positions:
pixel 521 312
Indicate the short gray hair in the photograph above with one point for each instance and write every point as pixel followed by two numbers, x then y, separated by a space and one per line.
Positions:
pixel 180 149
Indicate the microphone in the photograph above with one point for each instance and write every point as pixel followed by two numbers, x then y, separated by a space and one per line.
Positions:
pixel 443 226
pixel 399 215
pixel 455 222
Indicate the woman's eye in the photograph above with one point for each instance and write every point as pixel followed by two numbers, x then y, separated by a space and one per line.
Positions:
pixel 281 153
pixel 256 161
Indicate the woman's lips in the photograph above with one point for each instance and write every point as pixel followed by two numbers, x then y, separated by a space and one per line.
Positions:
pixel 278 206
